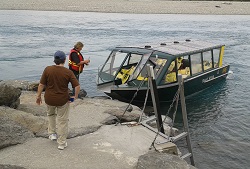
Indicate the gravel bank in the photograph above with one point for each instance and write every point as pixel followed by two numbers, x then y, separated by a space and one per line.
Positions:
pixel 132 6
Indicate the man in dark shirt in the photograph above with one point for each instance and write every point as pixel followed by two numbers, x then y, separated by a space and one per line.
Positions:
pixel 56 79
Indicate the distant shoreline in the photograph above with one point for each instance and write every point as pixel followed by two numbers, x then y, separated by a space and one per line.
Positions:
pixel 133 6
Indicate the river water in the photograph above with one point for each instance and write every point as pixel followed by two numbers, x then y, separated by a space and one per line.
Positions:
pixel 219 120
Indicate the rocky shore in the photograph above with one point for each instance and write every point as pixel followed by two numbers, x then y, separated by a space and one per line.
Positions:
pixel 100 136
pixel 133 6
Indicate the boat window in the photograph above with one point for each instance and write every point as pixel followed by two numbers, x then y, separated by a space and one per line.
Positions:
pixel 111 66
pixel 158 64
pixel 134 58
pixel 128 67
pixel 171 73
pixel 141 70
pixel 216 56
pixel 207 60
pixel 114 62
pixel 196 65
pixel 184 66
pixel 117 60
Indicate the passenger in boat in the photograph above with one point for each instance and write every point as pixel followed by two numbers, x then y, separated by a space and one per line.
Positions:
pixel 56 79
pixel 184 63
pixel 184 69
pixel 76 61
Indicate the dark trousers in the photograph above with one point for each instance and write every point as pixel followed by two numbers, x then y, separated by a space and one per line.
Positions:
pixel 77 77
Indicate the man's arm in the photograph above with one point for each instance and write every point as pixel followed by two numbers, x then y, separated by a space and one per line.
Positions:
pixel 84 62
pixel 39 93
pixel 77 90
pixel 75 59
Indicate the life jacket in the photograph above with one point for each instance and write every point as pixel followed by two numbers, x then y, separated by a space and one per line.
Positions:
pixel 72 64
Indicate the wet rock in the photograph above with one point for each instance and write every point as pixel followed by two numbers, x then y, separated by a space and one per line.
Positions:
pixel 33 86
pixel 9 95
pixel 82 93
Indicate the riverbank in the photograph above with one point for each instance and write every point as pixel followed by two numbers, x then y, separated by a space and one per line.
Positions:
pixel 133 6
pixel 95 139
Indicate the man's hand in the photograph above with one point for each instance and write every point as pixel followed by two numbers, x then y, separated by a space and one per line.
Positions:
pixel 39 100
pixel 86 62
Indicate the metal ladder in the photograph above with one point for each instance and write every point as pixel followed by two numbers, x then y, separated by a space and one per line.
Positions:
pixel 158 118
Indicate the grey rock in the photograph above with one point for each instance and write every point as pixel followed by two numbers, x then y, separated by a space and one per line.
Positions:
pixel 128 108
pixel 22 84
pixel 33 86
pixel 75 132
pixel 153 160
pixel 33 109
pixel 102 97
pixel 110 120
pixel 9 95
pixel 12 133
pixel 29 121
pixel 10 167
pixel 149 110
pixel 15 104
pixel 82 93
pixel 98 147
pixel 124 117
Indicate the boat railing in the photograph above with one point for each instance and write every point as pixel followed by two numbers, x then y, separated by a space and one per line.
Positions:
pixel 98 73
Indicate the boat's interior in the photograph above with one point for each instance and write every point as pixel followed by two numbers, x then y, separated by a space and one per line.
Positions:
pixel 192 65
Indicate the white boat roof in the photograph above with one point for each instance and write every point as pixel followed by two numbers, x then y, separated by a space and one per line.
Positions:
pixel 177 48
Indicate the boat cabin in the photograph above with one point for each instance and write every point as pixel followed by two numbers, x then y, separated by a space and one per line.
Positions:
pixel 127 65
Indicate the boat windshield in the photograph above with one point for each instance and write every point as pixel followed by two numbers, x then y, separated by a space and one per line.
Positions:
pixel 141 71
pixel 120 66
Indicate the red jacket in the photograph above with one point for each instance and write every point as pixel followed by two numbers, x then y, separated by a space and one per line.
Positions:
pixel 72 64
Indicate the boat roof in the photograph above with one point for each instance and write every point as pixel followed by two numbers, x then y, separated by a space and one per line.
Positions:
pixel 176 48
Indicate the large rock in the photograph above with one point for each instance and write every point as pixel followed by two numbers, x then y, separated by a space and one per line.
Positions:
pixel 29 121
pixel 10 167
pixel 21 84
pixel 33 109
pixel 9 95
pixel 153 160
pixel 124 116
pixel 12 133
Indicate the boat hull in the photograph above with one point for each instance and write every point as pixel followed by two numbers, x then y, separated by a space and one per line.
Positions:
pixel 167 92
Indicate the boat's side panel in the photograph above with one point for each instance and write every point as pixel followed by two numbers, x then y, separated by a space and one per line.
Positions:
pixel 205 80
pixel 167 92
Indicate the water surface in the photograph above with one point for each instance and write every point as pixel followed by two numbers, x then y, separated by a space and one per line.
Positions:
pixel 218 117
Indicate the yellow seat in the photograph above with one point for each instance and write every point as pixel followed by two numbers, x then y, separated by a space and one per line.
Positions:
pixel 171 77
pixel 125 73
